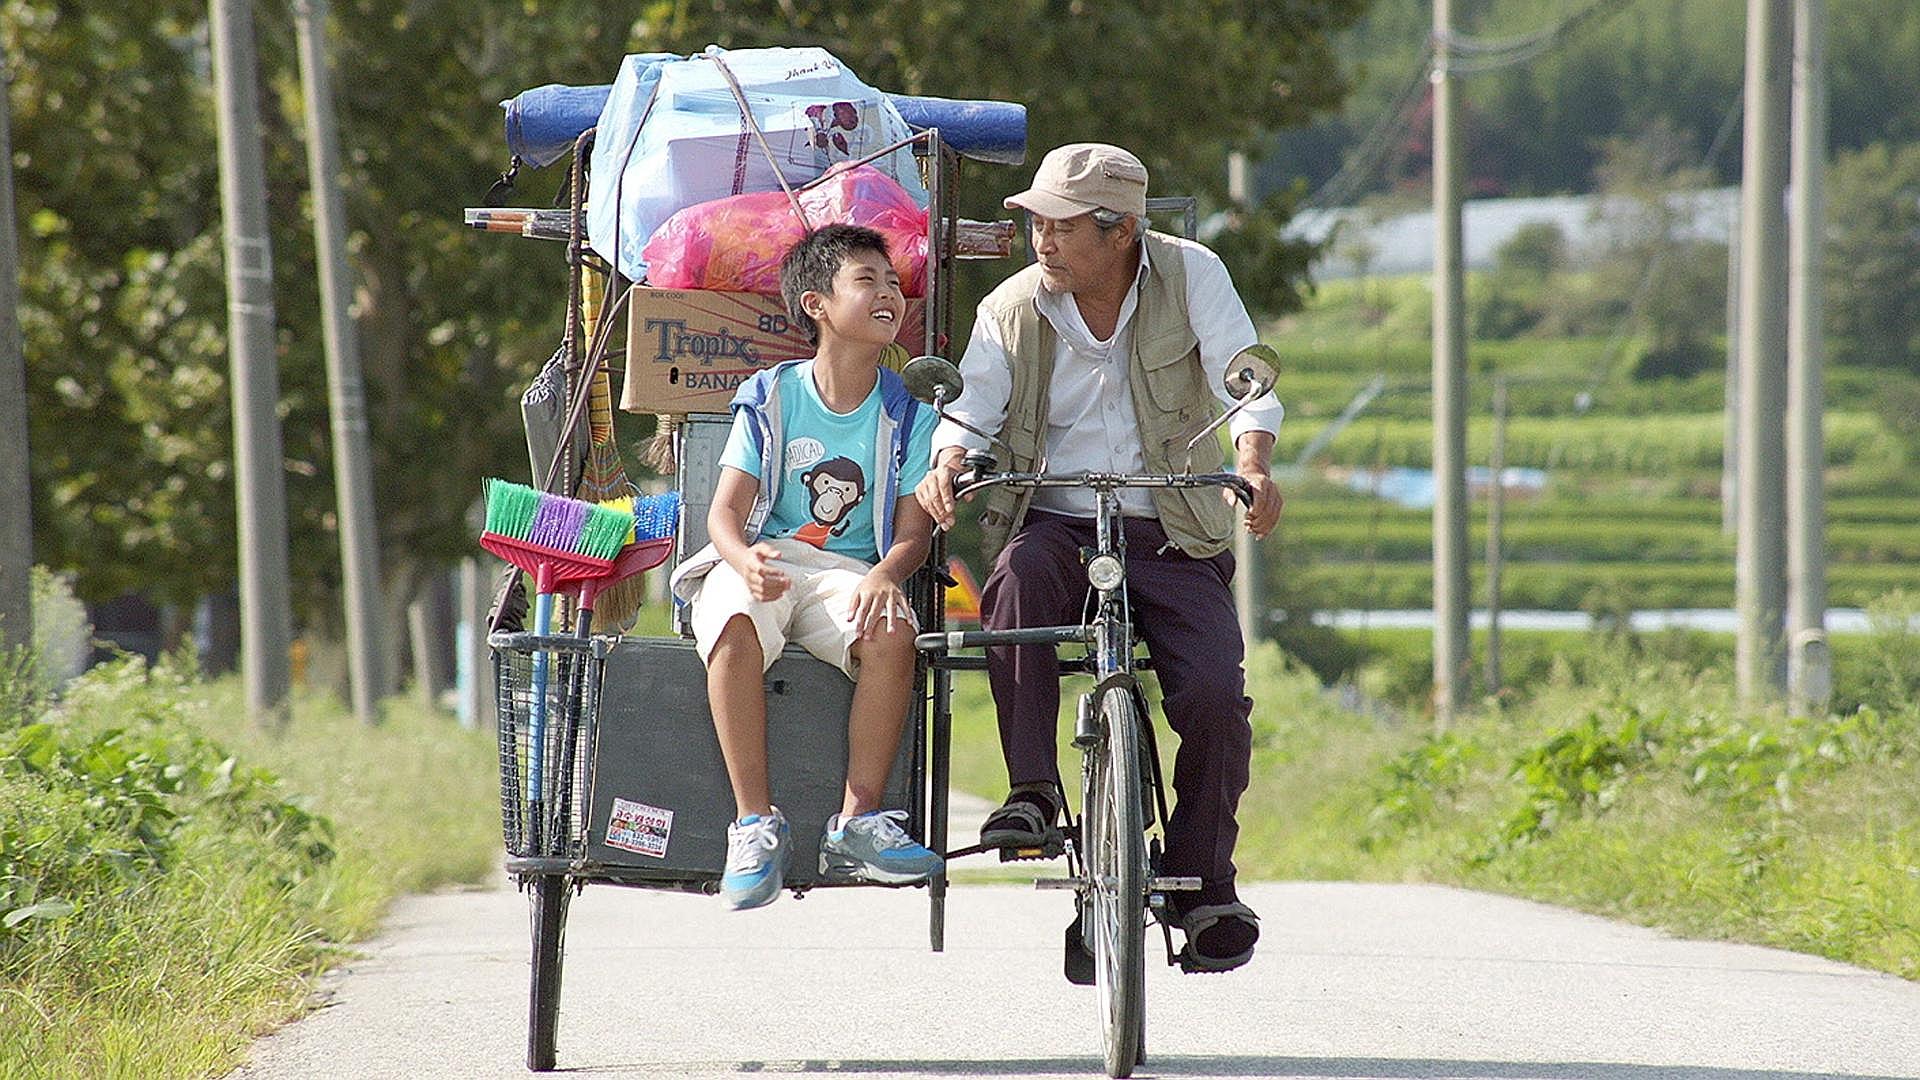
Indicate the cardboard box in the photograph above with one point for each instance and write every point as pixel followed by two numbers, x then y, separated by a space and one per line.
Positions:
pixel 688 350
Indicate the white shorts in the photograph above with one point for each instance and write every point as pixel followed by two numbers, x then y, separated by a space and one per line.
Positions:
pixel 814 612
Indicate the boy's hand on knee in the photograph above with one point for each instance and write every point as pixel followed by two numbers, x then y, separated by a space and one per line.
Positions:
pixel 878 604
pixel 763 581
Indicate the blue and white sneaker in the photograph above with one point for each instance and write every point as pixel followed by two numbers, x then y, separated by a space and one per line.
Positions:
pixel 873 847
pixel 757 850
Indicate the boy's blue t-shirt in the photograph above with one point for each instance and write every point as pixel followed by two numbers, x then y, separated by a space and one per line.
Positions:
pixel 826 495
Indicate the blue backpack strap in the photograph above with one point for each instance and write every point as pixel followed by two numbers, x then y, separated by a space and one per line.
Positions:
pixel 903 438
pixel 894 396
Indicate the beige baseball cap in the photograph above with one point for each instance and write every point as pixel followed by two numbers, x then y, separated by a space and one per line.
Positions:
pixel 1079 178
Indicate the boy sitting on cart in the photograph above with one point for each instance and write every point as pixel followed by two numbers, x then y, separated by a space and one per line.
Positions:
pixel 814 526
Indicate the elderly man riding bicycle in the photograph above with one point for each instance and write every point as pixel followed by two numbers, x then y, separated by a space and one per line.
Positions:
pixel 1105 355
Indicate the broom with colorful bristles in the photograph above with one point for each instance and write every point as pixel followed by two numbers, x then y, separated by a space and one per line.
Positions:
pixel 559 541
pixel 571 547
pixel 648 544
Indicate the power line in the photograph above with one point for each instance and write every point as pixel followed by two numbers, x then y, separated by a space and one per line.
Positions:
pixel 1473 55
pixel 1467 55
pixel 1379 140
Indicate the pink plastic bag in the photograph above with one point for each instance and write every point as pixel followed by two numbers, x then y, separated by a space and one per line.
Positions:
pixel 736 243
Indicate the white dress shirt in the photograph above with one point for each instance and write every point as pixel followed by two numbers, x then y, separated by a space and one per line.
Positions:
pixel 1090 419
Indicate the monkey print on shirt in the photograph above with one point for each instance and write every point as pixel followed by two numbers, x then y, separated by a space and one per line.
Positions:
pixel 834 488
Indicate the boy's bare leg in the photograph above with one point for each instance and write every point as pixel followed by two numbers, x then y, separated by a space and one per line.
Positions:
pixel 738 701
pixel 880 700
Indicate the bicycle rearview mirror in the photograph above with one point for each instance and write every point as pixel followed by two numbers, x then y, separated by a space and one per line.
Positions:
pixel 937 382
pixel 1253 372
pixel 1250 375
pixel 932 380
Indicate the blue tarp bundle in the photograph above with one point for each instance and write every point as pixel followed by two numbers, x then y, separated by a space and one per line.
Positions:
pixel 543 122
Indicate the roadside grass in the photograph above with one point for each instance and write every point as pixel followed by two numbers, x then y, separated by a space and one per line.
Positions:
pixel 191 872
pixel 1643 796
pixel 1624 783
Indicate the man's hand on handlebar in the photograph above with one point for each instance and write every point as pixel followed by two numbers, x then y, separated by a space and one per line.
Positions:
pixel 1264 514
pixel 1252 451
pixel 935 492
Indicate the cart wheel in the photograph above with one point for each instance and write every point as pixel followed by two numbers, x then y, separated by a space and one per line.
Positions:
pixel 550 895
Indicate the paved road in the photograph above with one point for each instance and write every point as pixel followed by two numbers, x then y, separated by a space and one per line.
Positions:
pixel 1352 981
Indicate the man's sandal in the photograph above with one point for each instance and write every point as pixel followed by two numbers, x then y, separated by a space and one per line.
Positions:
pixel 1024 821
pixel 1205 917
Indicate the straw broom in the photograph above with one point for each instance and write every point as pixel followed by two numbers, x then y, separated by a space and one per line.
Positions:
pixel 604 476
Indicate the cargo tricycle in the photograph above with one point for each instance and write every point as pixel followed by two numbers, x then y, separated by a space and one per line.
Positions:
pixel 610 770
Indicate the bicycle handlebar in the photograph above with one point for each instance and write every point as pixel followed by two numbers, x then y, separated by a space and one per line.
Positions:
pixel 942 641
pixel 969 482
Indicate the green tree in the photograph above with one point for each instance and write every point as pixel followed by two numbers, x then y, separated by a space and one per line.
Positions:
pixel 1180 84
pixel 1511 299
pixel 1535 252
pixel 1677 60
pixel 121 296
pixel 1873 256
pixel 1677 286
pixel 124 306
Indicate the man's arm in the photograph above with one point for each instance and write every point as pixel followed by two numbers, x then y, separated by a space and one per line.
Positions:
pixel 1223 327
pixel 988 372
pixel 1221 324
pixel 1252 454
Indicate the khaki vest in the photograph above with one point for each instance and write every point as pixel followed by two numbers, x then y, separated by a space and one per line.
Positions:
pixel 1171 400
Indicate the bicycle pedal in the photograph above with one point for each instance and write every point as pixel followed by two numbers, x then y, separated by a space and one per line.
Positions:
pixel 1054 847
pixel 1174 884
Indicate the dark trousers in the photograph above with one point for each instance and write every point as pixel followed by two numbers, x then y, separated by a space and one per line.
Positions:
pixel 1184 609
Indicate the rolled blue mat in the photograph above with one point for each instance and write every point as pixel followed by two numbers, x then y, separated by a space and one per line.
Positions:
pixel 543 122
pixel 994 131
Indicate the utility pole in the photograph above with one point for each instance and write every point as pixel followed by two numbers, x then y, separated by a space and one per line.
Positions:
pixel 1496 521
pixel 1759 581
pixel 266 621
pixel 1809 671
pixel 1451 653
pixel 473 674
pixel 1246 554
pixel 1730 433
pixel 346 394
pixel 16 533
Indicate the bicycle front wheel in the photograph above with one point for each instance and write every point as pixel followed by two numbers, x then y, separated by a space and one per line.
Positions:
pixel 1116 866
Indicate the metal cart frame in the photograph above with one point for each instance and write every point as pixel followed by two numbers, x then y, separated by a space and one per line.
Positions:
pixel 549 833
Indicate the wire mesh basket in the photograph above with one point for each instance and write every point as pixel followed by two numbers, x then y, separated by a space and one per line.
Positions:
pixel 548 694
